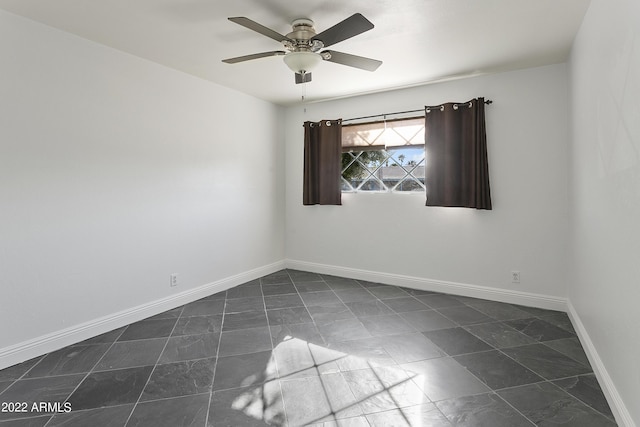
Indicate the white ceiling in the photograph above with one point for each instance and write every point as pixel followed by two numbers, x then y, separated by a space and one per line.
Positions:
pixel 419 41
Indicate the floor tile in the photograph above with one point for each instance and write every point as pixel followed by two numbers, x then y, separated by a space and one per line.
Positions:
pixel 252 289
pixel 464 315
pixel 499 310
pixel 289 316
pixel 539 329
pixel 330 312
pixel 320 298
pixel 547 405
pixel 187 411
pixel 27 422
pixel 180 379
pixel 343 330
pixel 369 308
pixel 203 308
pixel 382 389
pixel 114 416
pixel 110 388
pixel 354 295
pixel 404 304
pixel 16 371
pixel 360 354
pixel 5 384
pixel 570 347
pixel 303 331
pixel 427 320
pixel 148 329
pixel 250 319
pixel 190 347
pixel 386 292
pixel 195 325
pixel 560 320
pixel 47 389
pixel 294 359
pixel 283 301
pixel 336 283
pixel 303 276
pixel 497 370
pixel 360 421
pixel 106 338
pixel 482 410
pixel 280 289
pixel 129 354
pixel 386 325
pixel 499 335
pixel 218 296
pixel 244 341
pixel 239 305
pixel 546 362
pixel 416 292
pixel 537 312
pixel 276 278
pixel 425 415
pixel 439 300
pixel 587 390
pixel 244 370
pixel 69 360
pixel 410 347
pixel 314 399
pixel 443 378
pixel 456 341
pixel 368 284
pixel 169 314
pixel 248 407
pixel 311 286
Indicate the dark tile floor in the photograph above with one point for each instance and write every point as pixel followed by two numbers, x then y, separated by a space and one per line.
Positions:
pixel 296 348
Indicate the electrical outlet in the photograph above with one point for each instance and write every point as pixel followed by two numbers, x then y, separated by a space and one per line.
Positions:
pixel 515 277
pixel 173 280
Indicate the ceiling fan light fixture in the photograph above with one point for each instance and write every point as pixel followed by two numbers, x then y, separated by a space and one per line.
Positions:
pixel 302 62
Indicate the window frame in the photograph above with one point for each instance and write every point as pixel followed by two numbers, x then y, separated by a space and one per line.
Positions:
pixel 369 136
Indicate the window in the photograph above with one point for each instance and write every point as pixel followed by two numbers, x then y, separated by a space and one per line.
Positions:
pixel 384 156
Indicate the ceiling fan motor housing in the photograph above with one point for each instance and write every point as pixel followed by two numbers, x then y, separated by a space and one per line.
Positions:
pixel 302 34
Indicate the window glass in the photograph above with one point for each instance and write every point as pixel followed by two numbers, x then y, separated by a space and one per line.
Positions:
pixel 384 156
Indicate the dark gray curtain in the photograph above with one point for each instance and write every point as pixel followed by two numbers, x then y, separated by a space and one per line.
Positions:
pixel 322 163
pixel 457 172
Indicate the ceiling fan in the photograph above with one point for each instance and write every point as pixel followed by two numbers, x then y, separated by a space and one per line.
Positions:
pixel 304 48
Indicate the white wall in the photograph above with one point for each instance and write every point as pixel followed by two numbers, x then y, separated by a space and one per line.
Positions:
pixel 116 172
pixel 527 131
pixel 605 153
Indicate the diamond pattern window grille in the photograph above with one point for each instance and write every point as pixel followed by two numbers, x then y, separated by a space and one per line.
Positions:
pixel 384 156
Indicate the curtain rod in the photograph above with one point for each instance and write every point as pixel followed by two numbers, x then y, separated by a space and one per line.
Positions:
pixel 487 102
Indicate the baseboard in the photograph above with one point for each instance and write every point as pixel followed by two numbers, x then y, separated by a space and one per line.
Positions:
pixel 29 349
pixel 463 289
pixel 619 409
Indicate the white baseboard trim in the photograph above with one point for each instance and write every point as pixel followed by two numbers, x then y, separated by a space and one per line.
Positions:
pixel 462 289
pixel 35 347
pixel 619 409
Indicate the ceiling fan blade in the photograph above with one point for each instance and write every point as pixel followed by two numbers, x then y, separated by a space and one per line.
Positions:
pixel 254 56
pixel 352 26
pixel 303 78
pixel 253 25
pixel 352 60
